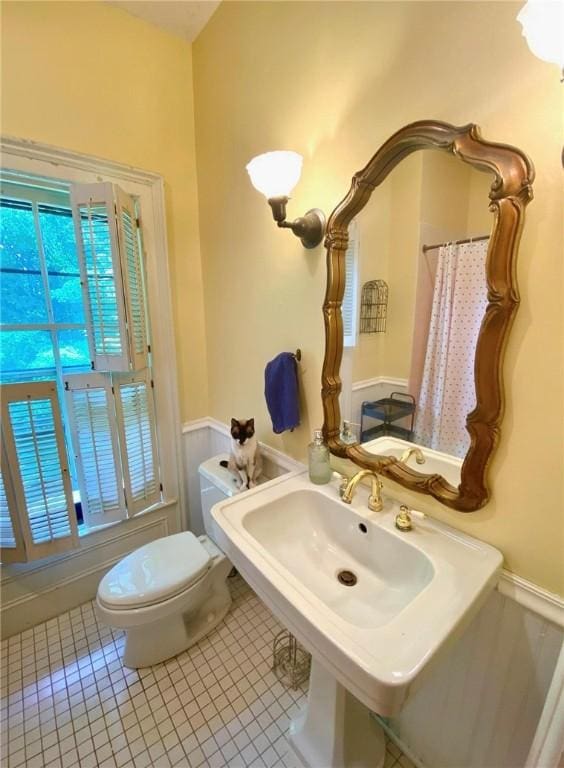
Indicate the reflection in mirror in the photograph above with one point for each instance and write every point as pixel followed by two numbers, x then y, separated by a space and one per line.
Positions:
pixel 416 357
pixel 413 381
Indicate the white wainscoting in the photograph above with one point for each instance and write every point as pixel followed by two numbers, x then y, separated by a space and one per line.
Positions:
pixel 481 704
pixel 205 438
pixel 37 591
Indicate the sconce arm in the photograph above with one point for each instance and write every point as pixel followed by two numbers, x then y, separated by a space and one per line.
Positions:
pixel 278 205
pixel 310 228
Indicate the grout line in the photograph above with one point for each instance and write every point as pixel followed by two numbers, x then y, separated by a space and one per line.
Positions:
pixel 219 703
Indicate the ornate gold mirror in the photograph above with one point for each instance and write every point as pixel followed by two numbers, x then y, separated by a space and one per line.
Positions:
pixel 428 274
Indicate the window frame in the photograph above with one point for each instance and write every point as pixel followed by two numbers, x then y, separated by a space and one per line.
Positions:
pixel 23 157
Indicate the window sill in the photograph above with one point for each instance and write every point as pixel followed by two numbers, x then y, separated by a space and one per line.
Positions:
pixel 91 539
pixel 85 531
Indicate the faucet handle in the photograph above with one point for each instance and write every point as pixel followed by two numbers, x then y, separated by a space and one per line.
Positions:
pixel 344 481
pixel 403 520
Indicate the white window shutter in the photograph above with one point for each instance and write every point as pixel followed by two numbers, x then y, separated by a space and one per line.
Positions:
pixel 37 465
pixel 132 271
pixel 90 405
pixel 12 548
pixel 110 265
pixel 137 438
pixel 349 308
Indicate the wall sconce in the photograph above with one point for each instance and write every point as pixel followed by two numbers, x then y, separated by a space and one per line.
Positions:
pixel 275 174
pixel 543 22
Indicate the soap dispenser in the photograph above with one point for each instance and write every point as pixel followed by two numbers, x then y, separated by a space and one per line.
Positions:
pixel 347 435
pixel 318 454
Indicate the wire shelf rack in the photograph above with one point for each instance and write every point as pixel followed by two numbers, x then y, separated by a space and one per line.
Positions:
pixel 290 662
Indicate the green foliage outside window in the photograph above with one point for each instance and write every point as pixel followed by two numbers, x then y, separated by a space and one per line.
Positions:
pixel 29 354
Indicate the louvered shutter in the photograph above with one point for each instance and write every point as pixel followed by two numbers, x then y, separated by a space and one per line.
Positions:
pixel 94 436
pixel 137 438
pixel 110 265
pixel 349 307
pixel 132 271
pixel 37 467
pixel 12 548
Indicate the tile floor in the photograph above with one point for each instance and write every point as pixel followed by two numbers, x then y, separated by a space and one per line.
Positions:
pixel 67 702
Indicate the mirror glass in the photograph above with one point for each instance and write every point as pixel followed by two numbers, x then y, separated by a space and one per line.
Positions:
pixel 408 367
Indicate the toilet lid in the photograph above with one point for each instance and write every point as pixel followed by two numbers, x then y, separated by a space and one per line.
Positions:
pixel 154 572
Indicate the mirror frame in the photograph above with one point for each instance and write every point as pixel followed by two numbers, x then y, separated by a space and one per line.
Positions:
pixel 510 192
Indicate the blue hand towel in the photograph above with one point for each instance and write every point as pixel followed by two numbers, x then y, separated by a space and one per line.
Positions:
pixel 281 392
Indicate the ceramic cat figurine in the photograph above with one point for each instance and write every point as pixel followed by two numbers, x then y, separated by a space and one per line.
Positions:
pixel 245 461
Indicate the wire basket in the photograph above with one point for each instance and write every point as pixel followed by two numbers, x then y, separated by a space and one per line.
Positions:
pixel 290 662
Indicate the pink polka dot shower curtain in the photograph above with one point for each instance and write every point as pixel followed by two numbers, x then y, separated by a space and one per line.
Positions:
pixel 447 391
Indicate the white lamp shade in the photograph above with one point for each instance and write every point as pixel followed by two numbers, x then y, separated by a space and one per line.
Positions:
pixel 543 29
pixel 275 174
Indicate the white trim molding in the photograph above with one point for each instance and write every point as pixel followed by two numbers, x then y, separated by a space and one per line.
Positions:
pixel 30 597
pixel 277 457
pixel 207 437
pixel 535 599
pixel 377 381
pixel 30 157
pixel 56 156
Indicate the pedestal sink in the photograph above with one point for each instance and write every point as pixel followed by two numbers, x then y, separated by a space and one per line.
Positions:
pixel 373 605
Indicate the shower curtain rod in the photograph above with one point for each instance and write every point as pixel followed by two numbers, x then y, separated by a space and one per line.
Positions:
pixel 455 242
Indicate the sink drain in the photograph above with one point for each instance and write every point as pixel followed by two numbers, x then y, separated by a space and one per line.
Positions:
pixel 347 578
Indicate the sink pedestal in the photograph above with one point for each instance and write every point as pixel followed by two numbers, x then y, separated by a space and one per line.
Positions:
pixel 335 730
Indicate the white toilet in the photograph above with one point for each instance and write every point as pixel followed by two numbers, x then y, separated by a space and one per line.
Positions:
pixel 170 593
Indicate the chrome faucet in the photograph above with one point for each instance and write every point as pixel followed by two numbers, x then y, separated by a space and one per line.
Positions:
pixel 417 452
pixel 375 502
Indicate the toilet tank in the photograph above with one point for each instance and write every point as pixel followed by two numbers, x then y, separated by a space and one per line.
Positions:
pixel 216 484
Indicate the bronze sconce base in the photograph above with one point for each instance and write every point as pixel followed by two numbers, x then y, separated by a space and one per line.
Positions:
pixel 310 228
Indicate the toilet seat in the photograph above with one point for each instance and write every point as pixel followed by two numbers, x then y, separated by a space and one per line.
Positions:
pixel 156 572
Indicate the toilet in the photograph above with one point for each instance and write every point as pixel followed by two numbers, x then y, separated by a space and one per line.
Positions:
pixel 168 594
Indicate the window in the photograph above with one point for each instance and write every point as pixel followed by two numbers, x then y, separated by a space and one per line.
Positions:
pixel 349 307
pixel 78 420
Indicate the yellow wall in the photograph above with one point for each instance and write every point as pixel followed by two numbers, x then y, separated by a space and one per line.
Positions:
pixel 479 216
pixel 333 80
pixel 406 183
pixel 91 78
pixel 375 243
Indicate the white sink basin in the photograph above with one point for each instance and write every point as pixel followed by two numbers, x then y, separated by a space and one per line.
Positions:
pixel 436 462
pixel 315 538
pixel 414 591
